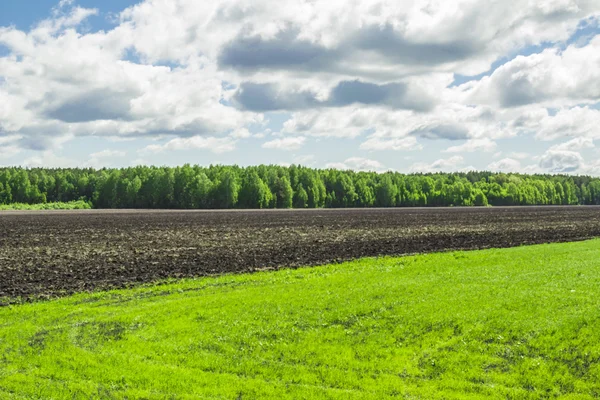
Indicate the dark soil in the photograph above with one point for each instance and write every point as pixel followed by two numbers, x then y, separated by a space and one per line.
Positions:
pixel 47 254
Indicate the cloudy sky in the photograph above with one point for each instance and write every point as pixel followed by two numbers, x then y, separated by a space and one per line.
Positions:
pixel 412 85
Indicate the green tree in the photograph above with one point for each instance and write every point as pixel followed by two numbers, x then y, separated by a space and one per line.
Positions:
pixel 365 195
pixel 227 191
pixel 283 193
pixel 254 193
pixel 480 199
pixel 131 192
pixel 300 197
pixel 200 191
pixel 386 192
pixel 5 194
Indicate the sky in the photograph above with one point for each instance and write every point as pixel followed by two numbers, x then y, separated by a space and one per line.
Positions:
pixel 411 86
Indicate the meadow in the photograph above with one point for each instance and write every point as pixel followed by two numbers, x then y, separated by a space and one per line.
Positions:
pixel 59 205
pixel 518 323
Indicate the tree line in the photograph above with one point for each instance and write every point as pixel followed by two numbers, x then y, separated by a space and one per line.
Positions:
pixel 273 186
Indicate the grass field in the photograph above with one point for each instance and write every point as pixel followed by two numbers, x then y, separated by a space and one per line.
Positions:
pixel 71 205
pixel 514 323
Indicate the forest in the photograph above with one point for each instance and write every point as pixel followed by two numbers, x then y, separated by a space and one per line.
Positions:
pixel 273 186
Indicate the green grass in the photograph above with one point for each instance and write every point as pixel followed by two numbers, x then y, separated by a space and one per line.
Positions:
pixel 520 323
pixel 72 205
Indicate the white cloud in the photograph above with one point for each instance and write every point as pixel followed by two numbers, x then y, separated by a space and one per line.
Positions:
pixel 288 143
pixel 451 121
pixel 48 159
pixel 240 133
pixel 178 70
pixel 592 168
pixel 376 38
pixel 105 158
pixel 454 163
pixel 552 77
pixel 63 4
pixel 561 161
pixel 505 165
pixel 406 144
pixel 358 164
pixel 344 123
pixel 9 140
pixel 214 144
pixel 576 144
pixel 108 154
pixel 519 155
pixel 8 151
pixel 59 83
pixel 569 122
pixel 306 160
pixel 484 144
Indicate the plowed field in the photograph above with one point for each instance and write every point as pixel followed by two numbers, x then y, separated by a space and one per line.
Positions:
pixel 46 254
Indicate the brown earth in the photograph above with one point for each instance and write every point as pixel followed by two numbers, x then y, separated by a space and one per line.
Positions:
pixel 46 254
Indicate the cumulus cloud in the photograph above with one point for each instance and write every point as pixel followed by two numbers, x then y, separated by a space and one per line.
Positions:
pixel 58 83
pixel 552 77
pixel 213 144
pixel 284 50
pixel 358 164
pixel 561 161
pixel 308 159
pixel 240 133
pixel 519 155
pixel 568 122
pixel 202 75
pixel 576 144
pixel 393 95
pixel 8 151
pixel 484 144
pixel 288 143
pixel 592 168
pixel 108 154
pixel 94 105
pixel 454 163
pixel 367 38
pixel 505 165
pixel 442 131
pixel 261 97
pixel 64 3
pixel 105 158
pixel 447 122
pixel 398 144
pixel 48 159
pixel 344 122
pixel 289 49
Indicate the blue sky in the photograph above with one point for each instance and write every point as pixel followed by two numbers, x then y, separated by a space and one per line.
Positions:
pixel 25 14
pixel 367 86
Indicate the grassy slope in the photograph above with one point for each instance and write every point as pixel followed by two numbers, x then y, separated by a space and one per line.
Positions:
pixel 513 323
